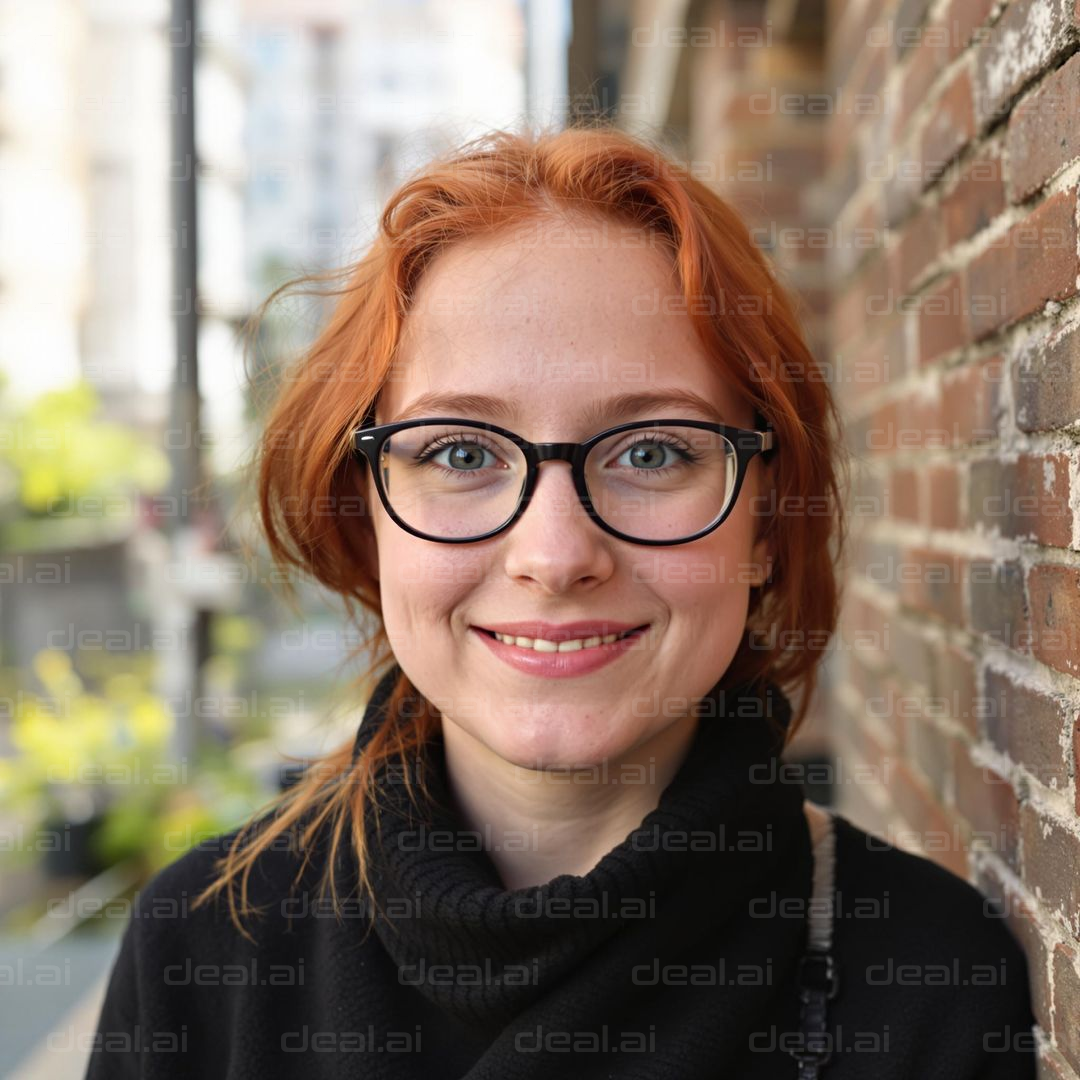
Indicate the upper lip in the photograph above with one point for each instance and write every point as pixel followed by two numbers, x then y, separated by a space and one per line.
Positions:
pixel 561 631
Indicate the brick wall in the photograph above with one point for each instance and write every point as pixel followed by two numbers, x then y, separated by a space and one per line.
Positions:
pixel 953 158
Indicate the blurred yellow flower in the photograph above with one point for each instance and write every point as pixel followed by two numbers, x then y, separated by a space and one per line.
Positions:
pixel 150 721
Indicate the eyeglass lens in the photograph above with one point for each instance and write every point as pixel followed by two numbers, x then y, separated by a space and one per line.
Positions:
pixel 655 482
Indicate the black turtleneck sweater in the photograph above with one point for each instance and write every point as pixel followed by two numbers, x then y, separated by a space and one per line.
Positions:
pixel 674 957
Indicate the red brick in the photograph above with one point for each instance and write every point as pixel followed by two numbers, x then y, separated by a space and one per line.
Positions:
pixel 989 804
pixel 976 199
pixel 864 297
pixel 904 495
pixel 888 362
pixel 1025 499
pixel 1051 855
pixel 1046 383
pixel 949 128
pixel 870 76
pixel 1055 616
pixel 943 324
pixel 1027 724
pixel 944 497
pixel 929 749
pixel 933 582
pixel 920 425
pixel 1067 1002
pixel 953 687
pixel 1044 481
pixel 964 20
pixel 1052 1066
pixel 1033 262
pixel 921 68
pixel 902 179
pixel 1044 135
pixel 850 37
pixel 919 246
pixel 905 29
pixel 998 606
pixel 911 654
pixel 1027 39
pixel 971 401
pixel 1076 758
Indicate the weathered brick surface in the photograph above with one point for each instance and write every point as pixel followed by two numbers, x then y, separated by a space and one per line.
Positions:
pixel 988 804
pixel 949 128
pixel 969 439
pixel 1044 135
pixel 1067 1002
pixel 998 606
pixel 971 401
pixel 943 321
pixel 977 195
pixel 1045 383
pixel 1025 41
pixel 1051 846
pixel 1028 724
pixel 1055 616
pixel 1033 262
pixel 1026 499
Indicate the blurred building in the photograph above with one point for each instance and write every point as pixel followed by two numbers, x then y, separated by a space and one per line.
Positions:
pixel 349 95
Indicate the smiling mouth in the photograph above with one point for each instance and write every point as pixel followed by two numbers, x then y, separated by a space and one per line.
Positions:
pixel 574 645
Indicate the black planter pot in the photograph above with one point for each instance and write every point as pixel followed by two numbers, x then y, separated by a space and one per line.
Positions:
pixel 70 852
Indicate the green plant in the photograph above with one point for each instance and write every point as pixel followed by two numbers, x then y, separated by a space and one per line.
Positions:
pixel 76 749
pixel 104 756
pixel 58 452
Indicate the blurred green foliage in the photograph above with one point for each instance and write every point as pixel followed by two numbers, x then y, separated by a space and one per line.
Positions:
pixel 58 457
pixel 102 753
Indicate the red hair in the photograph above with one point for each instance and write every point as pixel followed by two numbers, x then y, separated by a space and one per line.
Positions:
pixel 315 519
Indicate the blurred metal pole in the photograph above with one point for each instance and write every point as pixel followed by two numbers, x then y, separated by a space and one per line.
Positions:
pixel 186 638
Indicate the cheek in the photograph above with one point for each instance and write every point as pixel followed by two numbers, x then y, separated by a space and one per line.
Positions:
pixel 709 571
pixel 422 588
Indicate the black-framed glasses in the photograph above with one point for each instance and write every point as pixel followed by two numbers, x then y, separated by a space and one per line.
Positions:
pixel 656 482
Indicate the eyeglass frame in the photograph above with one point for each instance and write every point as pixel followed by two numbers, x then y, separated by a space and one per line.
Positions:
pixel 367 443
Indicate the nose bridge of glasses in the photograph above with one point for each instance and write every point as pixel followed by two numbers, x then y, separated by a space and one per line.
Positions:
pixel 556 451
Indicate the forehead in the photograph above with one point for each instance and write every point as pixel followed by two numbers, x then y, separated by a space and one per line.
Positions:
pixel 555 319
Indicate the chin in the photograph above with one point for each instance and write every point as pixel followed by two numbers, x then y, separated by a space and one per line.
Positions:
pixel 555 750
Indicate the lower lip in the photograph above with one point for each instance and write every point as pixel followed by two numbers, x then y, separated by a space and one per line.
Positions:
pixel 559 665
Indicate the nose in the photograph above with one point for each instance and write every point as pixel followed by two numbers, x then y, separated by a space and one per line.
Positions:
pixel 555 479
pixel 555 542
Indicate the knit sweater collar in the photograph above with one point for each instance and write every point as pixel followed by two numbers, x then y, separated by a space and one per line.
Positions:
pixel 679 890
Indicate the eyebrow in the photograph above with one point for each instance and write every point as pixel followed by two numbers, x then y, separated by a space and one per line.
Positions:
pixel 615 409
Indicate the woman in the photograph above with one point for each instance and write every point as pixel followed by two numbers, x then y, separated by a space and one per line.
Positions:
pixel 560 843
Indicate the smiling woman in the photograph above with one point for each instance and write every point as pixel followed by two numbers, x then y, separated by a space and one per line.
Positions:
pixel 585 576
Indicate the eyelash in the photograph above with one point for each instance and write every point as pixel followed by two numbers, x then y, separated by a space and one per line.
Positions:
pixel 452 439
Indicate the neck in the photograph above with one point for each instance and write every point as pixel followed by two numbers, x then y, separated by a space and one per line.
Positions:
pixel 536 824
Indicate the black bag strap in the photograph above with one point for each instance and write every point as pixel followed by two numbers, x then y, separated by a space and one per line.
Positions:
pixel 818 976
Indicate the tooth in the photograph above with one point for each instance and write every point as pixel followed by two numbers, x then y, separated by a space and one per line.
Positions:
pixel 543 645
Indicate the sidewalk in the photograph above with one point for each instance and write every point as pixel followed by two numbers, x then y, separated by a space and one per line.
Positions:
pixel 50 1007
